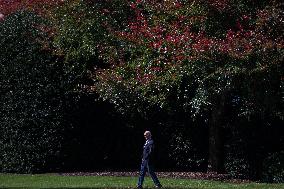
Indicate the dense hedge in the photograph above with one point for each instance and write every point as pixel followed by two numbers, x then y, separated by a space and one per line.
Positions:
pixel 31 98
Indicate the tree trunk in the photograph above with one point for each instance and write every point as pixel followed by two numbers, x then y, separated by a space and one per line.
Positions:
pixel 216 143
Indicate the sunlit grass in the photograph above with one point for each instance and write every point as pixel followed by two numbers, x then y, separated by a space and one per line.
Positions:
pixel 105 182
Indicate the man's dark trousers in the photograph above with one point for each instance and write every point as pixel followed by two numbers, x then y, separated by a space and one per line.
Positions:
pixel 145 166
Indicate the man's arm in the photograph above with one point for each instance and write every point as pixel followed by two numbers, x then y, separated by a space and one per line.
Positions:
pixel 148 150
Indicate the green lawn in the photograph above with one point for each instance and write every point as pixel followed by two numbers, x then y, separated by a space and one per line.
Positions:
pixel 105 182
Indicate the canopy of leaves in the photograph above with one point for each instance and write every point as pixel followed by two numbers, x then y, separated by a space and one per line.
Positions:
pixel 186 53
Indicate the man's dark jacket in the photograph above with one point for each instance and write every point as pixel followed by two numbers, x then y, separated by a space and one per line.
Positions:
pixel 148 151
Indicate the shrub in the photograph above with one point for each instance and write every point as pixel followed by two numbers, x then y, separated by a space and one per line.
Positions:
pixel 31 95
pixel 186 149
pixel 236 162
pixel 273 168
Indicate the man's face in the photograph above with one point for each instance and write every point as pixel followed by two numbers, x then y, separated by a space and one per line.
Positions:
pixel 147 136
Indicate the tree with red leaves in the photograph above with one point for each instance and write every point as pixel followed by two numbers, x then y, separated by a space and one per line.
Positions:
pixel 207 54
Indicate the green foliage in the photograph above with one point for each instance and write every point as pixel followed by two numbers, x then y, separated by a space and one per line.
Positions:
pixel 186 149
pixel 31 95
pixel 83 32
pixel 274 168
pixel 236 161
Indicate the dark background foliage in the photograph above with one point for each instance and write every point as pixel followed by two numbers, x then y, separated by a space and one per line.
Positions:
pixel 31 97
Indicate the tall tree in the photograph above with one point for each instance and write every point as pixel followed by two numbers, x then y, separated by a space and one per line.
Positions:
pixel 204 58
pixel 207 55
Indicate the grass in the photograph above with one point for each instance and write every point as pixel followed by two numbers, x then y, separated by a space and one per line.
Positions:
pixel 53 181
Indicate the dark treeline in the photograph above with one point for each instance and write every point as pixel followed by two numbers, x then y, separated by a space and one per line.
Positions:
pixel 81 81
pixel 101 140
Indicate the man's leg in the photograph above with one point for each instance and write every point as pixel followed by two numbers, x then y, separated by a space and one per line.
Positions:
pixel 142 174
pixel 153 176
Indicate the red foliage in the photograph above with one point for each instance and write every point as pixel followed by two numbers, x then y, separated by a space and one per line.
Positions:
pixel 174 41
pixel 219 4
pixel 10 6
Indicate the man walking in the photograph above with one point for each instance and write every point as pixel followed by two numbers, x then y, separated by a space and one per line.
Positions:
pixel 147 160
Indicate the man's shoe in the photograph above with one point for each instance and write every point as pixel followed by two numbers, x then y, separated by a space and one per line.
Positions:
pixel 158 186
pixel 139 187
